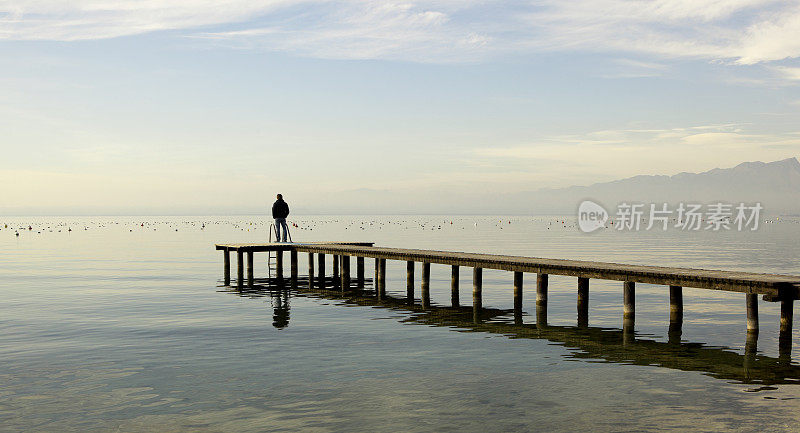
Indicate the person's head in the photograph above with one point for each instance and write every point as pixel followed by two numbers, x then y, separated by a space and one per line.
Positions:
pixel 280 196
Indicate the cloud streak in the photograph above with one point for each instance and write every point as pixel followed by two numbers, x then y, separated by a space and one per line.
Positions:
pixel 736 31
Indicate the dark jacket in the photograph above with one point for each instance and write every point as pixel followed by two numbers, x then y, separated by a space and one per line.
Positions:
pixel 280 209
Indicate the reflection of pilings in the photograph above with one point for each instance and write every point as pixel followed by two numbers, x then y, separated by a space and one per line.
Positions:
pixel 293 265
pixel 454 277
pixel 321 270
pixel 750 350
pixel 360 272
pixel 751 299
pixel 226 254
pixel 425 285
pixel 477 294
pixel 541 300
pixel 785 336
pixel 583 302
pixel 629 312
pixel 518 297
pixel 410 281
pixel 675 314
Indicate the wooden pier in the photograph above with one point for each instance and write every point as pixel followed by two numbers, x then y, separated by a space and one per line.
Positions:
pixel 772 287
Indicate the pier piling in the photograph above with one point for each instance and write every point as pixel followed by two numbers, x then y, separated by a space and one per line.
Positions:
pixel 249 269
pixel 293 265
pixel 477 294
pixel 518 298
pixel 239 269
pixel 345 273
pixel 360 272
pixel 226 254
pixel 583 302
pixel 410 281
pixel 279 264
pixel 425 285
pixel 382 278
pixel 541 300
pixel 335 271
pixel 454 277
pixel 751 299
pixel 321 270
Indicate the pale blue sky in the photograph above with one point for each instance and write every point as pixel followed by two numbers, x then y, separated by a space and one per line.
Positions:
pixel 204 106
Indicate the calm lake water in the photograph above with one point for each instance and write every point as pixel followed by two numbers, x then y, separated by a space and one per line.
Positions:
pixel 122 324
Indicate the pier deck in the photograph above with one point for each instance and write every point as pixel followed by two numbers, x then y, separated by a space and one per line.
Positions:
pixel 773 287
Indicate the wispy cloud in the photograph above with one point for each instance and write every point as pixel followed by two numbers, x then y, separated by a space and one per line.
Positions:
pixel 735 31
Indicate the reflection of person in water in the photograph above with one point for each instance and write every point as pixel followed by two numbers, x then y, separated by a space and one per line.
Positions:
pixel 280 315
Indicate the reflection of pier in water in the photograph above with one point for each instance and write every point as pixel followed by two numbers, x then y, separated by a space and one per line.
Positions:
pixel 610 345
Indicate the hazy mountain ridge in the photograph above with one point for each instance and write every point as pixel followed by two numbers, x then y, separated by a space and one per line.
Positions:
pixel 774 184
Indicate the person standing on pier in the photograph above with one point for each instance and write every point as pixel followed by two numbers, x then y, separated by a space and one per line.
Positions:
pixel 280 210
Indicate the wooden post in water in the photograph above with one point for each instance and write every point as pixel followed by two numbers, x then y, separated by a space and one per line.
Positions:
pixel 321 270
pixel 454 277
pixel 752 312
pixel 518 298
pixel 360 272
pixel 628 312
pixel 310 270
pixel 425 285
pixel 249 269
pixel 477 294
pixel 382 278
pixel 293 265
pixel 226 254
pixel 239 268
pixel 410 282
pixel 336 260
pixel 675 314
pixel 785 335
pixel 279 264
pixel 376 277
pixel 345 273
pixel 583 302
pixel 541 300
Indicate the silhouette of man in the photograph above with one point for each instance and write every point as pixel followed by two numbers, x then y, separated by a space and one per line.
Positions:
pixel 280 210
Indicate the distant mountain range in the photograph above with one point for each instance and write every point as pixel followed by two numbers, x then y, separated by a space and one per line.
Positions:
pixel 776 185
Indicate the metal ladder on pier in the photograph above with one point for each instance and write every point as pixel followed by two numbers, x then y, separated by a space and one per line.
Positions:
pixel 270 257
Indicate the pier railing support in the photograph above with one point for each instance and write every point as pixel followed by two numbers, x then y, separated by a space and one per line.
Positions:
pixel 345 273
pixel 541 300
pixel 226 254
pixel 518 298
pixel 477 294
pixel 751 299
pixel 583 302
pixel 410 281
pixel 454 277
pixel 425 285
